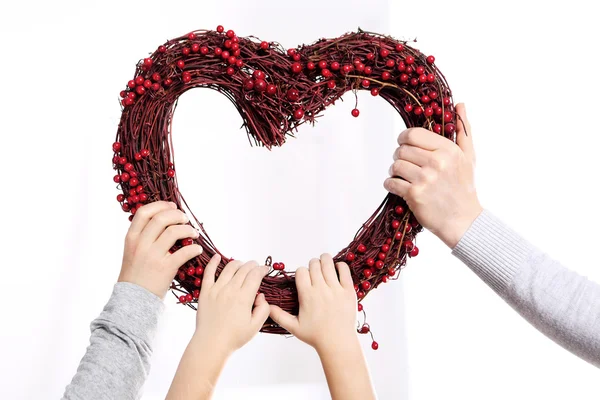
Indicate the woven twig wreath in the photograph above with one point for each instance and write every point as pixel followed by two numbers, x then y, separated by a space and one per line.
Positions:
pixel 275 91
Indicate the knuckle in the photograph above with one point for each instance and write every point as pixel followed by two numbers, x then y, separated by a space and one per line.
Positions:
pixel 428 176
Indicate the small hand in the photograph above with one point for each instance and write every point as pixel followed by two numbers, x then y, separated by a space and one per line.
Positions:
pixel 437 179
pixel 226 318
pixel 147 262
pixel 327 314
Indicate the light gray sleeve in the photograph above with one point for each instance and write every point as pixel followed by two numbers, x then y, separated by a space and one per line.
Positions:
pixel 117 360
pixel 560 303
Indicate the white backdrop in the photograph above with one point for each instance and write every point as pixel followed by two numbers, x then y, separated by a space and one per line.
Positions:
pixel 526 71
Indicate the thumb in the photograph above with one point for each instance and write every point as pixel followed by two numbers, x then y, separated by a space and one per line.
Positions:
pixel 284 319
pixel 464 134
pixel 260 312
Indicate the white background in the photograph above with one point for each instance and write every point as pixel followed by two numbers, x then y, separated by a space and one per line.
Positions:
pixel 527 71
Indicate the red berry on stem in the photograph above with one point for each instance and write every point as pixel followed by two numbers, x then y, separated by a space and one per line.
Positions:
pixel 404 78
pixel 360 294
pixel 430 59
pixel 188 297
pixel 364 329
pixel 414 252
pixel 331 84
pixel 271 89
pixel 311 66
pixel 368 71
pixel 191 270
pixel 391 271
pixel 370 56
pixel 370 262
pixel 390 63
pixel 182 299
pixel 399 47
pixel 388 241
pixel 366 285
pixel 220 29
pixel 218 51
pixel 447 116
pixel 360 307
pixel 449 129
pixel 335 66
pixel 117 178
pixel 385 279
pixel 120 198
pixel 384 53
pixel 230 33
pixel 386 75
pixel 148 62
pixel 249 84
pixel 437 128
pixel 293 94
pixel 296 67
pixel 162 49
pixel 379 264
pixel 374 345
pixel 355 112
pixel 145 152
pixel 298 113
pixel 126 207
pixel 410 60
pixel 171 173
pixel 367 273
pixel 230 71
pixel 374 91
pixel 260 85
pixel 365 83
pixel 143 197
pixel 385 248
pixel 264 45
pixel 322 64
pixel 350 257
pixel 381 256
pixel 362 248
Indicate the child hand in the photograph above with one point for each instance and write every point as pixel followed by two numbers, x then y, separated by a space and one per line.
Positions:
pixel 146 258
pixel 225 317
pixel 327 314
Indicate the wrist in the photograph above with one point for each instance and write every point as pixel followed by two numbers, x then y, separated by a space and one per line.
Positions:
pixel 455 228
pixel 336 345
pixel 211 344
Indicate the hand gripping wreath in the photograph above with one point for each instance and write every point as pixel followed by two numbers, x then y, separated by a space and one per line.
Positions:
pixel 275 91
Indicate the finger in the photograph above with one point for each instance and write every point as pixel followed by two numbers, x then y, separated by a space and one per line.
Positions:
pixel 183 255
pixel 261 312
pixel 302 278
pixel 286 320
pixel 208 280
pixel 254 278
pixel 328 268
pixel 397 186
pixel 316 275
pixel 172 234
pixel 240 275
pixel 228 272
pixel 412 154
pixel 345 276
pixel 464 134
pixel 422 138
pixel 145 213
pixel 404 169
pixel 159 223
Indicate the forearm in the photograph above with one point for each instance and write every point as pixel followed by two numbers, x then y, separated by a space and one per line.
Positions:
pixel 198 371
pixel 117 360
pixel 346 371
pixel 560 303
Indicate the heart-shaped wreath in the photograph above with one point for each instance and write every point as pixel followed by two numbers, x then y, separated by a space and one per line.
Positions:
pixel 275 91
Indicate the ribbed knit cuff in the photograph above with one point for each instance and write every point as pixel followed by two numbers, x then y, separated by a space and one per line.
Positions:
pixel 493 251
pixel 133 310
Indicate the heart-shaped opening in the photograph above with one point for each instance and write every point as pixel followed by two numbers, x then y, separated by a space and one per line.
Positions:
pixel 292 202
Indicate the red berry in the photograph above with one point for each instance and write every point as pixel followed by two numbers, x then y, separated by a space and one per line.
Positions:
pixel 143 197
pixel 384 279
pixel 430 59
pixel 447 116
pixel 220 29
pixel 225 55
pixel 162 49
pixel 124 177
pixel 228 44
pixel 282 265
pixel 204 50
pixel 264 45
pixel 331 84
pixel 230 71
pixel 418 110
pixel 199 270
pixel 374 345
pixel 399 210
pixel 230 34
pixel 370 262
pixel 381 256
pixel 368 71
pixel 391 271
pixel 408 108
pixel 399 47
pixel 239 63
pixel 355 112
pixel 116 146
pixel 249 84
pixel 296 67
pixel 126 207
pixel 180 64
pixel 145 152
pixel 120 198
pixel 191 270
pixel 425 99
pixel 196 293
pixel 171 173
pixel 195 48
pixel 156 87
pixel 187 78
pixel 364 329
pixel 384 53
pixel 410 60
pixel 408 245
pixel 231 60
pixel 186 51
pixel 414 252
pixel 437 128
pixel 365 83
pixel 422 79
pixel 310 66
pixel 188 297
pixel 370 56
pixel 140 90
pixel 271 89
pixel 367 273
pixel 346 69
pixel 298 113
pixel 322 64
pixel 360 67
pixel 182 299
pixel 420 70
pixel 117 178
pixel 148 62
pixel 374 91
pixel 388 241
pixel 390 63
pixel 449 129
pixel 131 84
pixel 401 66
pixel 360 307
pixel 168 82
pixel 386 75
pixel 379 264
pixel 218 51
pixel 404 78
pixel 187 242
pixel 293 94
pixel 134 182
pixel 366 285
pixel 260 85
pixel 360 294
pixel 335 66
pixel 128 167
pixel 362 248
pixel 428 112
pixel 197 282
pixel 350 257
pixel 385 248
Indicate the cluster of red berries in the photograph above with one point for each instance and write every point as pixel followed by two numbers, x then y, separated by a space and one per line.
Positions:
pixel 140 85
pixel 134 196
pixel 373 265
pixel 193 273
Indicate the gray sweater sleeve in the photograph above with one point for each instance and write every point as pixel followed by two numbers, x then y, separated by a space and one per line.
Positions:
pixel 117 360
pixel 561 304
